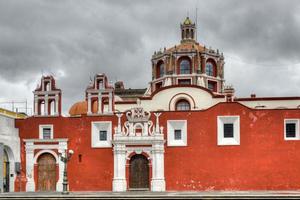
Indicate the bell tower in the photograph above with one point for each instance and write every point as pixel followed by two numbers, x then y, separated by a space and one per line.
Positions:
pixel 47 98
pixel 188 31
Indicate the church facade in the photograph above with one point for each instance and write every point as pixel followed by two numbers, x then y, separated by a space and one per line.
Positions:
pixel 186 132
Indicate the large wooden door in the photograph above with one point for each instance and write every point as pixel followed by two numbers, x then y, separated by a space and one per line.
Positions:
pixel 139 173
pixel 46 173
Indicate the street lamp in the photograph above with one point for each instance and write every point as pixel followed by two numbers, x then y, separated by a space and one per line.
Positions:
pixel 65 160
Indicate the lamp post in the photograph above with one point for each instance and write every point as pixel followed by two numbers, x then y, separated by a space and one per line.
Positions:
pixel 65 160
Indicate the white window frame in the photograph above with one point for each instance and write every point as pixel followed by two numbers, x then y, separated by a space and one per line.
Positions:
pixel 296 121
pixel 96 127
pixel 173 125
pixel 235 120
pixel 42 126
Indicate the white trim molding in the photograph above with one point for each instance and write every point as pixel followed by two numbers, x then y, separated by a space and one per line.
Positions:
pixel 235 120
pixel 173 125
pixel 96 127
pixel 297 134
pixel 32 157
pixel 41 128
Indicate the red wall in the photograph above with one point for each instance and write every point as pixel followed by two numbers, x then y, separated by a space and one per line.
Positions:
pixel 95 171
pixel 262 161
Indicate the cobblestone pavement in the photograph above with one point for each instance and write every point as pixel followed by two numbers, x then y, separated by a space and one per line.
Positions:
pixel 155 195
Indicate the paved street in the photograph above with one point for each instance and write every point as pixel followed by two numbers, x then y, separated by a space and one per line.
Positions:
pixel 156 195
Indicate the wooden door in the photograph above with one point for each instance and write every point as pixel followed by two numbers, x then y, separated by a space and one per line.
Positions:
pixel 46 173
pixel 139 173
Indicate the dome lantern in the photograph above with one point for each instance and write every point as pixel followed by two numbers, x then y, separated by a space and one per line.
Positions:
pixel 188 30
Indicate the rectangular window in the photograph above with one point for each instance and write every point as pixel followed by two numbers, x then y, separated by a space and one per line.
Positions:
pixel 228 130
pixel 212 86
pixel 177 134
pixel 184 81
pixel 103 135
pixel 46 133
pixel 158 85
pixel 291 129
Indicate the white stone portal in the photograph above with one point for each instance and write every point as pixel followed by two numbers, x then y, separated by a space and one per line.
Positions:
pixel 31 159
pixel 138 135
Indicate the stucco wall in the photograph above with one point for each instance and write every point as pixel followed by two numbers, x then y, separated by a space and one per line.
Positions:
pixel 262 161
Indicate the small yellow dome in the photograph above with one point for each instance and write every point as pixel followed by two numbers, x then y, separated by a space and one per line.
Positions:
pixel 187 21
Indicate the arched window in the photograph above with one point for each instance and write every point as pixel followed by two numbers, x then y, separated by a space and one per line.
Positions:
pixel 209 69
pixel 160 69
pixel 185 67
pixel 183 105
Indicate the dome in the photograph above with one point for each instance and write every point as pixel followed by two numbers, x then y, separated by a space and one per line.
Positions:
pixel 187 21
pixel 186 47
pixel 78 108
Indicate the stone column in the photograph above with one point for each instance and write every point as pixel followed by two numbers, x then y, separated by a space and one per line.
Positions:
pixel 119 129
pixel 61 149
pixel 99 103
pixel 46 105
pixel 36 104
pixel 89 104
pixel 158 183
pixel 203 64
pixel 30 185
pixel 193 63
pixel 56 104
pixel 119 180
pixel 157 122
pixel 1 166
pixel 110 102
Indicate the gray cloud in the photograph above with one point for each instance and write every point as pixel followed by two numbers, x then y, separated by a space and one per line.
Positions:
pixel 76 39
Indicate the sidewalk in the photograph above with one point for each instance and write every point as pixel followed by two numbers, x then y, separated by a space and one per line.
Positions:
pixel 156 195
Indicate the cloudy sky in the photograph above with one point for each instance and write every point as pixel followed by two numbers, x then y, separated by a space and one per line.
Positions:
pixel 73 40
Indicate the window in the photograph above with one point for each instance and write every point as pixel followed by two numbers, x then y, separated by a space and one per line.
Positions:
pixel 101 134
pixel 177 132
pixel 46 131
pixel 228 128
pixel 184 81
pixel 291 129
pixel 158 85
pixel 209 69
pixel 183 105
pixel 185 67
pixel 160 70
pixel 211 85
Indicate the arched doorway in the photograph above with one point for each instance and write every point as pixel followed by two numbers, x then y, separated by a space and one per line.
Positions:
pixel 139 173
pixel 46 173
pixel 6 171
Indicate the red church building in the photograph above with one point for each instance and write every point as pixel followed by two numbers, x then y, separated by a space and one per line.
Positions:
pixel 186 132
